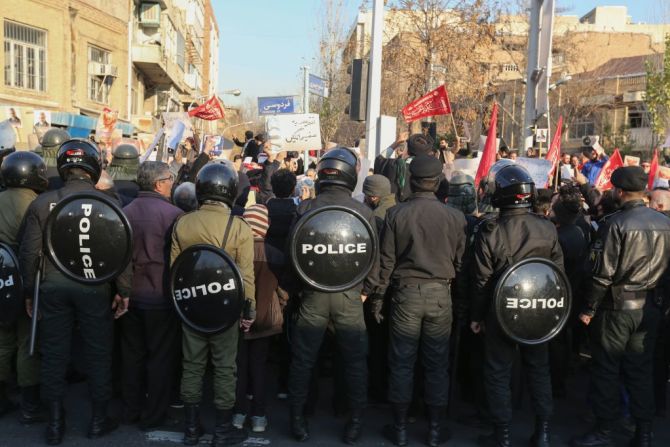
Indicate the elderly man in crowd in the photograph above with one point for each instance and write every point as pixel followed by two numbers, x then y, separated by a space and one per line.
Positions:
pixel 150 331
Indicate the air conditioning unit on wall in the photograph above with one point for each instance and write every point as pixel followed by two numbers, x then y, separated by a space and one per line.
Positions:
pixel 97 69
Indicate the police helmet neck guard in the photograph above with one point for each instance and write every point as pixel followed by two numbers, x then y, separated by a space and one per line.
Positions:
pixel 513 188
pixel 82 154
pixel 217 182
pixel 24 170
pixel 338 167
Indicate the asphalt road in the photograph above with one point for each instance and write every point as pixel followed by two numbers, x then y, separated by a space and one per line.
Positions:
pixel 572 417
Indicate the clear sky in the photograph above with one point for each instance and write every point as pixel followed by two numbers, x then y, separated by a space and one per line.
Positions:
pixel 264 43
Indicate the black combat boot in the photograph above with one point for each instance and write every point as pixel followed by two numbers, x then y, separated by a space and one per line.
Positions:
pixel 600 436
pixel 55 423
pixel 225 433
pixel 643 435
pixel 101 424
pixel 397 432
pixel 30 405
pixel 437 433
pixel 299 428
pixel 193 429
pixel 499 438
pixel 352 431
pixel 541 436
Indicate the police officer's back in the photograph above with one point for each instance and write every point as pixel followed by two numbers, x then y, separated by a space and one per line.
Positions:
pixel 337 180
pixel 502 241
pixel 24 176
pixel 62 301
pixel 123 170
pixel 213 224
pixel 623 308
pixel 422 246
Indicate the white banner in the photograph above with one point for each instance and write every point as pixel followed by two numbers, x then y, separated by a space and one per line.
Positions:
pixel 467 166
pixel 297 132
pixel 538 168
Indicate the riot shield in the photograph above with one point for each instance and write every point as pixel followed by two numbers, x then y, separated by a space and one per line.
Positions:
pixel 333 248
pixel 207 288
pixel 88 238
pixel 532 301
pixel 11 286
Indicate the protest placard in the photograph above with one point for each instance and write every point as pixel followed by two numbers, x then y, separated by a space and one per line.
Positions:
pixel 629 160
pixel 297 132
pixel 538 168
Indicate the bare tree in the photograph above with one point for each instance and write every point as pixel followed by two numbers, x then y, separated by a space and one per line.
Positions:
pixel 440 41
pixel 333 26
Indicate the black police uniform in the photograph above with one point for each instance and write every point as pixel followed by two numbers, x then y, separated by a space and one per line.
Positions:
pixel 422 246
pixel 344 309
pixel 624 303
pixel 62 302
pixel 516 234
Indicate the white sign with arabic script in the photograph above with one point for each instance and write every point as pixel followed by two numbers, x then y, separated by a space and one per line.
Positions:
pixel 297 132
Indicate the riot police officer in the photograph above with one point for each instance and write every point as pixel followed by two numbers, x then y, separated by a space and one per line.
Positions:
pixel 25 176
pixel 48 150
pixel 213 224
pixel 63 301
pixel 337 176
pixel 421 251
pixel 623 308
pixel 514 235
pixel 123 170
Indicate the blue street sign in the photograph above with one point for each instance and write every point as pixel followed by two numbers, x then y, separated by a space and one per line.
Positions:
pixel 276 104
pixel 318 86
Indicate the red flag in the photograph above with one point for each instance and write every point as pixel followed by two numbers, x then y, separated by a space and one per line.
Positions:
pixel 615 162
pixel 489 154
pixel 210 111
pixel 433 103
pixel 555 148
pixel 653 170
pixel 554 153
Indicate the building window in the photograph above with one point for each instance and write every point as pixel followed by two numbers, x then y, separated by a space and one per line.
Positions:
pixel 582 129
pixel 25 54
pixel 510 67
pixel 99 82
pixel 637 118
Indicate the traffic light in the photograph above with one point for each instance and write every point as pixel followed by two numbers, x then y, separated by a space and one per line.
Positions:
pixel 358 90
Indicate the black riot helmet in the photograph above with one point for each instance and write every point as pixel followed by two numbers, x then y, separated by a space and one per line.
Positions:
pixel 82 154
pixel 54 137
pixel 24 170
pixel 338 167
pixel 514 188
pixel 126 152
pixel 217 181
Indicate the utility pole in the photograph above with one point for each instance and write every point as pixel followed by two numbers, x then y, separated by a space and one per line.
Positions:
pixel 374 82
pixel 538 71
pixel 305 107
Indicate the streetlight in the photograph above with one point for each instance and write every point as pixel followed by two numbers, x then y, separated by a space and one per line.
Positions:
pixel 234 92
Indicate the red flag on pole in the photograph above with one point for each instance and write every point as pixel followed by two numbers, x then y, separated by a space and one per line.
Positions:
pixel 210 111
pixel 615 162
pixel 433 103
pixel 489 154
pixel 653 170
pixel 555 149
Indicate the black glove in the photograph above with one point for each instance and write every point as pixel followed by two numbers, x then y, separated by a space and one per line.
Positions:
pixel 376 306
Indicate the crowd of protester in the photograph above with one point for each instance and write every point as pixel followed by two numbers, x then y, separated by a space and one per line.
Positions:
pixel 157 364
